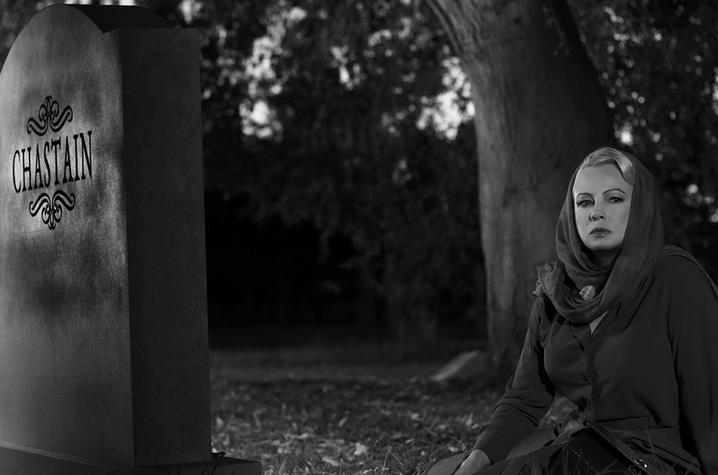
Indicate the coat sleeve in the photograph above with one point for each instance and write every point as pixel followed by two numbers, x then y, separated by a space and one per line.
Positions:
pixel 528 395
pixel 693 329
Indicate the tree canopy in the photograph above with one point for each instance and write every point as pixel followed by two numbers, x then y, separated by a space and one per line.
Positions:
pixel 658 66
pixel 338 123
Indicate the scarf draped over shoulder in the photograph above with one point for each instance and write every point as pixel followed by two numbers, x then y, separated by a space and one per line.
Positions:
pixel 604 286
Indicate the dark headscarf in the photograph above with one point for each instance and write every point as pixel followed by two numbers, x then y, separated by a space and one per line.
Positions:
pixel 642 244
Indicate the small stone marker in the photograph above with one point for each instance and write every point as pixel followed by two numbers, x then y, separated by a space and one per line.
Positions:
pixel 103 328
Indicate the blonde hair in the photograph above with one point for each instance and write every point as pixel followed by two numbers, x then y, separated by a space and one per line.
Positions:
pixel 611 156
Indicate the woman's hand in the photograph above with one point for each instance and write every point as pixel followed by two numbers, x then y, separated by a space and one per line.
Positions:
pixel 476 460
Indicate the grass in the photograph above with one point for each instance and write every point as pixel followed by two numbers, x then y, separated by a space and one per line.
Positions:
pixel 344 408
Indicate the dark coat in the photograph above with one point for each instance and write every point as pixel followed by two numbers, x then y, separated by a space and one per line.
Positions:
pixel 649 372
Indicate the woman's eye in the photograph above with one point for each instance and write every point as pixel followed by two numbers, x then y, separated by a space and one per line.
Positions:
pixel 615 199
pixel 583 203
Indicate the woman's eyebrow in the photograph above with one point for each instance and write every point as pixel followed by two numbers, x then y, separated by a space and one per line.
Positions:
pixel 607 191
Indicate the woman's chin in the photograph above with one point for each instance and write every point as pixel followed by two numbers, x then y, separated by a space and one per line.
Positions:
pixel 602 244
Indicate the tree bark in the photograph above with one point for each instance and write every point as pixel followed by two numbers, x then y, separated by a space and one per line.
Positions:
pixel 539 110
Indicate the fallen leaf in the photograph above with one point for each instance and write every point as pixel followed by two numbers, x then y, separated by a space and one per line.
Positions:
pixel 360 449
pixel 328 460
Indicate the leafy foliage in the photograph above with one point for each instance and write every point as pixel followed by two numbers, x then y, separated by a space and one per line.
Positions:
pixel 318 123
pixel 658 66
pixel 13 15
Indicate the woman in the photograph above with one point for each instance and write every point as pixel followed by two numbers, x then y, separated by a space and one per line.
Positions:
pixel 623 325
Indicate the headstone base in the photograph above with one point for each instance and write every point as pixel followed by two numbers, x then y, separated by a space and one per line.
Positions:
pixel 21 462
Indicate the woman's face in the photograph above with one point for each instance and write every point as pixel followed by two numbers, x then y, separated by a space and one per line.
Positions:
pixel 602 204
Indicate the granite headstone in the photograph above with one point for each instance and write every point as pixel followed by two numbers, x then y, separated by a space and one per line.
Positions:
pixel 103 333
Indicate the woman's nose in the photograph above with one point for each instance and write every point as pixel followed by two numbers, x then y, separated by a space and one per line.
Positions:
pixel 596 213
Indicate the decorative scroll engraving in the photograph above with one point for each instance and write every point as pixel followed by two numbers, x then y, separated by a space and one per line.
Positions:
pixel 54 160
pixel 51 209
pixel 50 116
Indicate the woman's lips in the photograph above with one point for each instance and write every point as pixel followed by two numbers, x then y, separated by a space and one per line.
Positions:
pixel 599 232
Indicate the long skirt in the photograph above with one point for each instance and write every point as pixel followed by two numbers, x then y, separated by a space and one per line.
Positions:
pixel 546 460
pixel 536 462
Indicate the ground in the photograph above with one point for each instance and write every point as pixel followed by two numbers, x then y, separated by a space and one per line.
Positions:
pixel 344 408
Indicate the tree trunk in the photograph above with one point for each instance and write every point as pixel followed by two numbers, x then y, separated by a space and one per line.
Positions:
pixel 539 110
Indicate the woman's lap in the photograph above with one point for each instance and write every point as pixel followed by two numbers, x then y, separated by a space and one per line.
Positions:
pixel 543 461
pixel 534 462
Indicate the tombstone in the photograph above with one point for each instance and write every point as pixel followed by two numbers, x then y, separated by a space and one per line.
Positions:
pixel 103 328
